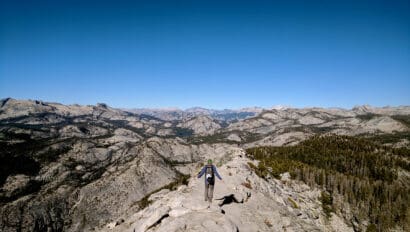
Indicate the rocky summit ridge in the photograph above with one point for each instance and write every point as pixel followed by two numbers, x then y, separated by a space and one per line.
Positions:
pixel 244 202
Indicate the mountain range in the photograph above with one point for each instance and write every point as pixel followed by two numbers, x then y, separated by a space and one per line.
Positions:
pixel 98 168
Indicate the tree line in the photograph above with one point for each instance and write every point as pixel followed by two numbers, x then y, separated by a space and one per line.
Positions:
pixel 371 178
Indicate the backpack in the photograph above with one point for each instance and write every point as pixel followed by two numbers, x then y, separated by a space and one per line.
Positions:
pixel 209 174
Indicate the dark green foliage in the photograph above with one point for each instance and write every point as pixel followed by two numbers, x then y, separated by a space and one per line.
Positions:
pixel 405 119
pixel 367 116
pixel 83 130
pixel 124 124
pixel 389 138
pixel 27 156
pixel 247 137
pixel 147 117
pixel 260 170
pixel 293 203
pixel 16 158
pixel 10 165
pixel 327 201
pixel 183 132
pixel 365 174
pixel 144 202
pixel 176 162
pixel 371 228
pixel 403 152
pixel 33 186
pixel 74 177
pixel 275 167
pixel 51 155
pixel 320 130
pixel 52 216
pixel 294 129
pixel 215 138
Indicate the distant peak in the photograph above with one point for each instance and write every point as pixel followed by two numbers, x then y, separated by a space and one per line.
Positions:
pixel 280 107
pixel 365 107
pixel 102 105
pixel 4 101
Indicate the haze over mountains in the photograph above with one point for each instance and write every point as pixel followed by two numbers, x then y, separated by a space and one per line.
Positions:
pixel 178 114
pixel 87 168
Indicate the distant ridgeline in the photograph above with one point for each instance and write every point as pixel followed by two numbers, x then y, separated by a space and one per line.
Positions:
pixel 373 179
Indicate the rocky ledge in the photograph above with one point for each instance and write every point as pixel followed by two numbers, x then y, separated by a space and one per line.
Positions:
pixel 242 202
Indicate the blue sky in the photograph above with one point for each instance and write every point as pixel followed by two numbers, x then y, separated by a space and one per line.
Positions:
pixel 215 54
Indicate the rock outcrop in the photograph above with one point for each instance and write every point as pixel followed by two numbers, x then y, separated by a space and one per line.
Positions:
pixel 243 202
pixel 201 125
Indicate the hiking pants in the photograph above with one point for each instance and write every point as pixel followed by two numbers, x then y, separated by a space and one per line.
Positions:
pixel 209 191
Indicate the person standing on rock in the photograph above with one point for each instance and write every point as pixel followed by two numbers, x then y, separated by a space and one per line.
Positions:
pixel 210 171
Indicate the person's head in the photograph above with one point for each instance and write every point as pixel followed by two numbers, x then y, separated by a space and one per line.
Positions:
pixel 209 161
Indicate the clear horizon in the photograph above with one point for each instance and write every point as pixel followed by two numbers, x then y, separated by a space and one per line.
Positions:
pixel 213 54
pixel 170 108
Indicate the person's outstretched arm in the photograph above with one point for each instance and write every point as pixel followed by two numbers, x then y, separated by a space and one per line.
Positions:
pixel 202 172
pixel 216 172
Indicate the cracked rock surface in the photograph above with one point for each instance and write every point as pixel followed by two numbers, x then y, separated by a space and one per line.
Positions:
pixel 259 205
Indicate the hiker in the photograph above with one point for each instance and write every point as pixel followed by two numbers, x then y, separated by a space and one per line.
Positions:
pixel 210 171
